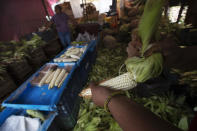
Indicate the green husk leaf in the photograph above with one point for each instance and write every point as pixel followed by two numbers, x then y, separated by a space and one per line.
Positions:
pixel 143 69
pixel 183 123
pixel 149 22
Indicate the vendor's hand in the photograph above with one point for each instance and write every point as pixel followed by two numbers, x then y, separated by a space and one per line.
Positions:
pixel 100 94
pixel 133 50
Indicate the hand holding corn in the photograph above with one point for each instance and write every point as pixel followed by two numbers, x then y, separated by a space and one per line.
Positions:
pixel 122 82
pixel 100 94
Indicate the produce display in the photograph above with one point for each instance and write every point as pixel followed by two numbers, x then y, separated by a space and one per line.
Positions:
pixel 177 105
pixel 73 54
pixel 51 75
pixel 170 106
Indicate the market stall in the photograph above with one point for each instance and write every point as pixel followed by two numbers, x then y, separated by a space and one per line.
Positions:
pixel 131 47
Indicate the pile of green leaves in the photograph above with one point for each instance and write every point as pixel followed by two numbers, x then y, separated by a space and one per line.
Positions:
pixel 169 107
pixel 29 46
pixel 18 50
pixel 94 118
pixel 107 65
pixel 189 77
pixel 108 62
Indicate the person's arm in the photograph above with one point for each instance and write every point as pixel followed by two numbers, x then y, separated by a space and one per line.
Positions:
pixel 129 115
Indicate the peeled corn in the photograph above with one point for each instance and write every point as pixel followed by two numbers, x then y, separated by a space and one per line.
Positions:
pixel 122 82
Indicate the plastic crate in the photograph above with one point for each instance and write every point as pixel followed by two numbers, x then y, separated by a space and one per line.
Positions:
pixel 68 113
pixel 32 97
pixel 44 126
pixel 93 51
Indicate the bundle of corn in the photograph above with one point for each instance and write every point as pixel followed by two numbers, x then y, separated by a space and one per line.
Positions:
pixel 73 54
pixel 137 66
pixel 53 77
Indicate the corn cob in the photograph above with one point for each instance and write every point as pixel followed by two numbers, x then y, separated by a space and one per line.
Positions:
pixel 65 60
pixel 50 78
pixel 62 80
pixel 47 75
pixel 52 83
pixel 59 78
pixel 122 82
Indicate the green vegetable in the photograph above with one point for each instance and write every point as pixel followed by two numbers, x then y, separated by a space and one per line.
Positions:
pixel 36 114
pixel 183 123
pixel 149 22
pixel 143 69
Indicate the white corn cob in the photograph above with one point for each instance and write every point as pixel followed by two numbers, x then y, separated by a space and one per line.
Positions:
pixel 45 78
pixel 65 60
pixel 52 83
pixel 59 78
pixel 122 82
pixel 72 52
pixel 75 56
pixel 50 78
pixel 61 82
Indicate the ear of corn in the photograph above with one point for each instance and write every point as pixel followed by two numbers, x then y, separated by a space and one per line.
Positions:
pixel 45 78
pixel 59 78
pixel 62 80
pixel 122 82
pixel 50 77
pixel 145 68
pixel 56 74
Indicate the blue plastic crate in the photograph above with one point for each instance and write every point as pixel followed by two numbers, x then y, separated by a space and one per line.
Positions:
pixel 92 51
pixel 68 113
pixel 32 97
pixel 10 111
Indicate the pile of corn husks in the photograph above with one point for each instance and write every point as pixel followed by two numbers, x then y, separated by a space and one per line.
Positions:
pixel 108 63
pixel 169 106
pixel 92 118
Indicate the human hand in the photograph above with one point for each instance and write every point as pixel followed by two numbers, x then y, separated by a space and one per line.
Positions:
pixel 100 94
pixel 133 49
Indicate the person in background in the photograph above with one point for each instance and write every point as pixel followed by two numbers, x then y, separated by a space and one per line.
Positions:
pixel 129 115
pixel 60 20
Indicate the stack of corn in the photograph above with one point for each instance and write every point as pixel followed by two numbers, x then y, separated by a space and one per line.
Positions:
pixel 54 77
pixel 71 55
